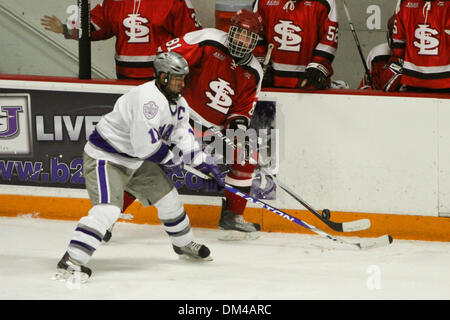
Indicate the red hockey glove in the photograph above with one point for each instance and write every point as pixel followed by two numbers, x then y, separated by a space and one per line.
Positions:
pixel 394 71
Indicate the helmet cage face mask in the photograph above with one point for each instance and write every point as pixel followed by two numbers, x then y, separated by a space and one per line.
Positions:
pixel 240 41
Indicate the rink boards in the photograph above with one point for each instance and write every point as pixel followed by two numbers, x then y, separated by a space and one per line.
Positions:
pixel 380 156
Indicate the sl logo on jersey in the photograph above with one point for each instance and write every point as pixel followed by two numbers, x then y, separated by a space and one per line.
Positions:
pixel 220 100
pixel 287 36
pixel 137 32
pixel 427 44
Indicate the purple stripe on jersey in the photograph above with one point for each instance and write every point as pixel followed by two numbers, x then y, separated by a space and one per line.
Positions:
pixel 92 234
pixel 97 140
pixel 159 155
pixel 103 186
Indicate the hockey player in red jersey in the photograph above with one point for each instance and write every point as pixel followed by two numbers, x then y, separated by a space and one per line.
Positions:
pixel 222 91
pixel 305 39
pixel 140 26
pixel 421 44
pixel 383 75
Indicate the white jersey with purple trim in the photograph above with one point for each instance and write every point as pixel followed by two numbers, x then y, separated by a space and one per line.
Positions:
pixel 142 126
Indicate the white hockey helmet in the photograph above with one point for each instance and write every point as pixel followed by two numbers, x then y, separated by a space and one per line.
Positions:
pixel 170 63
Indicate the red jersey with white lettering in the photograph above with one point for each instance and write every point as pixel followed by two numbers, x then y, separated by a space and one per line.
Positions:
pixel 140 27
pixel 217 89
pixel 302 32
pixel 421 38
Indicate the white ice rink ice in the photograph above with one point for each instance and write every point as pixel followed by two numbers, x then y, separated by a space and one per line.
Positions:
pixel 139 263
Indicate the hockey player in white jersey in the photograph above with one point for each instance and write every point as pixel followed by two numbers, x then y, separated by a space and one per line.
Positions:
pixel 148 127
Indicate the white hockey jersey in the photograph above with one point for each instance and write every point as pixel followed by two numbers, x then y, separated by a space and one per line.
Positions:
pixel 142 126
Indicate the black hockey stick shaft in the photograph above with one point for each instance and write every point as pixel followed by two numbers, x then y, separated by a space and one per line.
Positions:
pixel 84 41
pixel 355 36
pixel 336 226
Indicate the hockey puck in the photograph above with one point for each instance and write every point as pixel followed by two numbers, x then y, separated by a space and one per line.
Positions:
pixel 326 214
pixel 390 239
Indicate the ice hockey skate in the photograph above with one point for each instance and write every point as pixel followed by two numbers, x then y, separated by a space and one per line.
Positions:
pixel 69 270
pixel 194 250
pixel 234 227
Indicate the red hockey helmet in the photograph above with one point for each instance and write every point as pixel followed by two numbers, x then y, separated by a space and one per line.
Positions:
pixel 245 29
pixel 248 20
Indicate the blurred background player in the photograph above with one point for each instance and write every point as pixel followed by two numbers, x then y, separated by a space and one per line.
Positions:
pixel 139 26
pixel 421 45
pixel 222 91
pixel 124 152
pixel 305 39
pixel 384 76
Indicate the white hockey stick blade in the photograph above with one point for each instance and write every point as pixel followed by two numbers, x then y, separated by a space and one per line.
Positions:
pixel 356 225
pixel 382 241
pixel 126 216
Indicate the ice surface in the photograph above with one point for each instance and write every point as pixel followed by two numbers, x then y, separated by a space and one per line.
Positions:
pixel 139 263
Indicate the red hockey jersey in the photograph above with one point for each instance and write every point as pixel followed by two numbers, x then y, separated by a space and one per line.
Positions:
pixel 421 37
pixel 218 90
pixel 302 32
pixel 378 64
pixel 140 27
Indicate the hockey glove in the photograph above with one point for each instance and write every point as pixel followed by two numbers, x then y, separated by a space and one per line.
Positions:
pixel 394 71
pixel 175 157
pixel 245 142
pixel 315 76
pixel 207 166
pixel 239 123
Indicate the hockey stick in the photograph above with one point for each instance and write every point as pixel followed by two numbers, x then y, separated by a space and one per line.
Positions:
pixel 349 226
pixel 267 57
pixel 382 241
pixel 355 36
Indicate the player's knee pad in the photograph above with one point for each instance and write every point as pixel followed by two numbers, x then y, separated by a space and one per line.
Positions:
pixel 169 206
pixel 101 217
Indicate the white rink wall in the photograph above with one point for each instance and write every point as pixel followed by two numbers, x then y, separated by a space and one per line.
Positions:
pixel 360 153
pixel 344 150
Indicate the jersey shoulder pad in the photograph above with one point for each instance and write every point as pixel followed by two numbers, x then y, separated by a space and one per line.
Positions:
pixel 329 4
pixel 205 35
pixel 150 99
